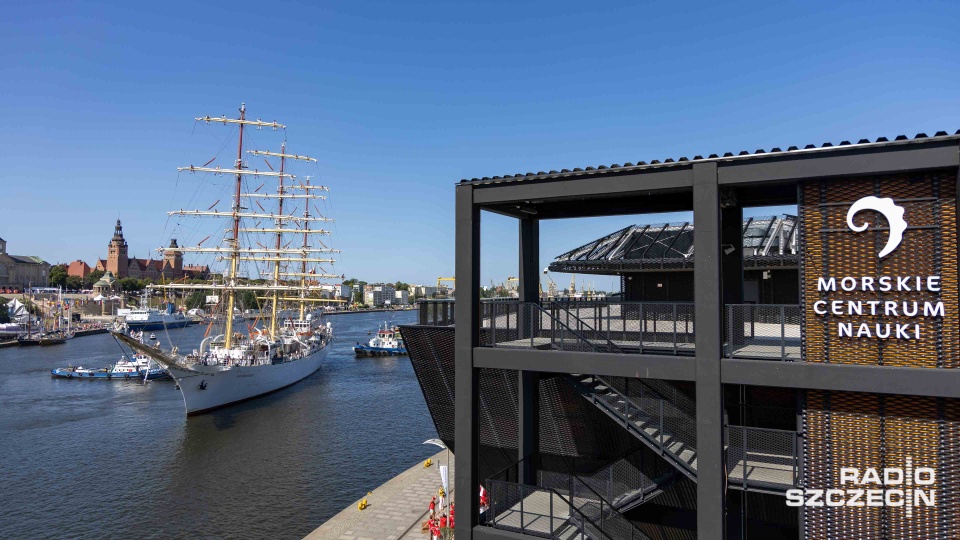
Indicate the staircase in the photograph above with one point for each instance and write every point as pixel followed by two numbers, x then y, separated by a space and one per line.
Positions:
pixel 667 426
pixel 561 505
pixel 664 419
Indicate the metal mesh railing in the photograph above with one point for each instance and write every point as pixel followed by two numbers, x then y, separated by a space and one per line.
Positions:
pixel 635 327
pixel 625 327
pixel 760 459
pixel 763 332
pixel 527 325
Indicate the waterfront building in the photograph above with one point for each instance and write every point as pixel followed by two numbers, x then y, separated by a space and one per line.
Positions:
pixel 121 265
pixel 22 271
pixel 79 269
pixel 402 297
pixel 712 410
pixel 379 294
pixel 423 291
pixel 107 285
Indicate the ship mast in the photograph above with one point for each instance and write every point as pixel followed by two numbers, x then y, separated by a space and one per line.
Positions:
pixel 284 223
pixel 276 264
pixel 303 265
pixel 235 241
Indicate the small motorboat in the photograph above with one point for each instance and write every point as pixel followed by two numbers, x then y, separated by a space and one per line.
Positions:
pixel 140 367
pixel 153 336
pixel 387 342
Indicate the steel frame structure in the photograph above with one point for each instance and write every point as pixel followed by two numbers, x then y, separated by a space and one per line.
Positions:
pixel 695 184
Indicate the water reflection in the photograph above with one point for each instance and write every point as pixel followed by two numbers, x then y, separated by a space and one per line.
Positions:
pixel 276 466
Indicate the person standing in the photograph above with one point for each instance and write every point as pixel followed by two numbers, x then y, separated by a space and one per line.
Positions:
pixel 433 507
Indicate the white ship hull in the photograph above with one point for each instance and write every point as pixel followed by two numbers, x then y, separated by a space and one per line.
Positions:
pixel 205 388
pixel 211 387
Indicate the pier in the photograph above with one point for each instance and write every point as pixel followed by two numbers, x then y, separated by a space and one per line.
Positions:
pixel 394 511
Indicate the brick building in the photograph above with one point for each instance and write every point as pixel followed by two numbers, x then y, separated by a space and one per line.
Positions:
pixel 170 267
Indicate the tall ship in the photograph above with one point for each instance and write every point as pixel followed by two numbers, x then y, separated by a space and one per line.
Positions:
pixel 271 252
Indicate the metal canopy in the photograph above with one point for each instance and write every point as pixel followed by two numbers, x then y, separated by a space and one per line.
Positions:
pixel 768 241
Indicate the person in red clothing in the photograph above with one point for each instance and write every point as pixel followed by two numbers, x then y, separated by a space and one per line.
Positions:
pixel 433 506
pixel 443 521
pixel 451 515
pixel 484 500
pixel 434 529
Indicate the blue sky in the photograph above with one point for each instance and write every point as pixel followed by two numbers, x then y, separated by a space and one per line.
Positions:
pixel 399 100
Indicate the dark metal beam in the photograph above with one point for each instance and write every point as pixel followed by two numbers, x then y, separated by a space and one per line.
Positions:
pixel 844 377
pixel 588 186
pixel 529 383
pixel 489 533
pixel 466 388
pixel 529 284
pixel 647 366
pixel 711 464
pixel 674 201
pixel 863 161
pixel 731 235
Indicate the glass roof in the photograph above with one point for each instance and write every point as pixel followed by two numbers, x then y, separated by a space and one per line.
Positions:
pixel 763 236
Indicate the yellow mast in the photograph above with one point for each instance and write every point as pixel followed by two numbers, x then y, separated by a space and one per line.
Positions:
pixel 235 253
pixel 276 265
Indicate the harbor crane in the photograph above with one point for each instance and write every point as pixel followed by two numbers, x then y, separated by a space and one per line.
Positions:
pixel 440 280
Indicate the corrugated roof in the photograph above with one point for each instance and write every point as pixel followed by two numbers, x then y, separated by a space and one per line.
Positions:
pixel 683 161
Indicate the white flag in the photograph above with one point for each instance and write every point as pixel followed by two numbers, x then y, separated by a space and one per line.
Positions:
pixel 443 478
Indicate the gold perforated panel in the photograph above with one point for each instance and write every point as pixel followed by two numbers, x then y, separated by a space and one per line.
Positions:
pixel 846 429
pixel 929 248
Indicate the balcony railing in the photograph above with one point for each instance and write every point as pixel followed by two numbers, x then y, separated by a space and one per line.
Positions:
pixel 436 312
pixel 752 331
pixel 763 332
pixel 760 459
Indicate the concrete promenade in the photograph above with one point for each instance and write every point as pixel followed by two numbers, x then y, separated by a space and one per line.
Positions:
pixel 396 509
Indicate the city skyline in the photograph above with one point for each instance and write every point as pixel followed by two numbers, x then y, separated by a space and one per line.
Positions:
pixel 105 96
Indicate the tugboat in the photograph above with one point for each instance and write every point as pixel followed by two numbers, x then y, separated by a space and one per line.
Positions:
pixel 140 367
pixel 387 342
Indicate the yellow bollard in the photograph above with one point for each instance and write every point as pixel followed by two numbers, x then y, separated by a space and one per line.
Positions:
pixel 427 463
pixel 362 504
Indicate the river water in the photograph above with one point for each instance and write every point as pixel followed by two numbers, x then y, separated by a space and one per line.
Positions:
pixel 119 459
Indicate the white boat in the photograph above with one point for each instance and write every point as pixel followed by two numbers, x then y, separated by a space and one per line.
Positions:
pixel 139 367
pixel 154 319
pixel 232 365
pixel 10 330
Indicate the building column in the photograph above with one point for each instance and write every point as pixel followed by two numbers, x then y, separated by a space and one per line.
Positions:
pixel 708 297
pixel 731 236
pixel 529 381
pixel 466 388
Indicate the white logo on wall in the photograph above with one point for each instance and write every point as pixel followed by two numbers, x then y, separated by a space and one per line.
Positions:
pixel 906 487
pixel 901 318
pixel 890 210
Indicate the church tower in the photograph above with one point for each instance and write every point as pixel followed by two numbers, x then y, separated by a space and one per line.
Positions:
pixel 117 261
pixel 173 261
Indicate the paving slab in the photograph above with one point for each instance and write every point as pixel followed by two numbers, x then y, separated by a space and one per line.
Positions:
pixel 395 509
